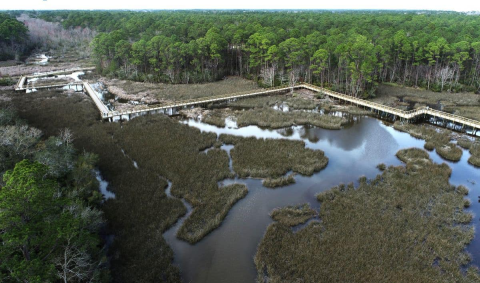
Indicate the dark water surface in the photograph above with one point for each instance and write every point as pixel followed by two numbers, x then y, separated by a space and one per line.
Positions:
pixel 226 254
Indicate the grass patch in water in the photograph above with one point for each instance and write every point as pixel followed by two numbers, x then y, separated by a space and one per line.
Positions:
pixel 209 215
pixel 465 143
pixel 279 182
pixel 216 118
pixel 261 158
pixel 437 139
pixel 405 225
pixel 266 117
pixel 293 215
pixel 475 154
pixel 382 166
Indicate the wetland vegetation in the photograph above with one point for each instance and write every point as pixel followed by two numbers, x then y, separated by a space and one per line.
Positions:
pixel 438 139
pixel 293 215
pixel 46 180
pixel 408 224
pixel 386 229
pixel 260 158
pixel 279 182
pixel 270 118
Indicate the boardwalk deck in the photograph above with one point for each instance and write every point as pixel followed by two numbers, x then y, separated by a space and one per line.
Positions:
pixel 20 86
pixel 101 107
pixel 396 113
pixel 170 108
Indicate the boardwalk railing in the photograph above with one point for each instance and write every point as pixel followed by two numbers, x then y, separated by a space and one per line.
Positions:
pixel 114 115
pixel 397 112
pixel 21 82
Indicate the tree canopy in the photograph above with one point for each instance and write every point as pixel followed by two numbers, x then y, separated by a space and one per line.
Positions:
pixel 349 51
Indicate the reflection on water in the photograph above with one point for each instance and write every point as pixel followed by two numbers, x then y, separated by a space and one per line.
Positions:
pixel 226 254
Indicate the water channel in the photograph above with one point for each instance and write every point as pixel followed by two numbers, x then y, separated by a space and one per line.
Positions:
pixel 226 254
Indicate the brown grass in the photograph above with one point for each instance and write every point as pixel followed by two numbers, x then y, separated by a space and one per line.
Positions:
pixel 166 93
pixel 293 215
pixel 279 182
pixel 398 227
pixel 273 158
pixel 389 95
pixel 266 117
pixel 438 139
pixel 475 154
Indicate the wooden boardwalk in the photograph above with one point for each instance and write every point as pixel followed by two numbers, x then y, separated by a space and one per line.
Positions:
pixel 100 106
pixel 407 115
pixel 21 84
pixel 172 108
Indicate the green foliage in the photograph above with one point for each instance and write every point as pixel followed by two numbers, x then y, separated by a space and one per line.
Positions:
pixel 6 81
pixel 58 155
pixel 350 51
pixel 46 235
pixel 13 33
pixel 28 200
pixel 49 217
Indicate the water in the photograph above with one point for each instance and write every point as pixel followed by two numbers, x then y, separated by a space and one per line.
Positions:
pixel 40 59
pixel 226 254
pixel 103 186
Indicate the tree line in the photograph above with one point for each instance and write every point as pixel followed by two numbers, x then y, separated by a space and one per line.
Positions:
pixel 49 208
pixel 13 37
pixel 349 51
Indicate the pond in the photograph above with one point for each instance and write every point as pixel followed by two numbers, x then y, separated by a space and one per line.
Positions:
pixel 226 254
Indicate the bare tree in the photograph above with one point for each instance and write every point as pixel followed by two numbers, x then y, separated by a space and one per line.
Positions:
pixel 268 75
pixel 444 75
pixel 66 135
pixel 20 140
pixel 293 78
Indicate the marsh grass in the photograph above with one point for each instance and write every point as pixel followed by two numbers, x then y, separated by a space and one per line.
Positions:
pixel 293 102
pixel 387 94
pixel 176 92
pixel 209 215
pixel 465 143
pixel 279 182
pixel 354 110
pixel 438 139
pixel 141 211
pixel 293 215
pixel 266 117
pixel 174 152
pixel 215 117
pixel 261 158
pixel 397 227
pixel 449 151
pixel 475 154
pixel 382 166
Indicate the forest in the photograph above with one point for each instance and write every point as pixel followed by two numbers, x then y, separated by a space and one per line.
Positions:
pixel 13 37
pixel 50 210
pixel 348 51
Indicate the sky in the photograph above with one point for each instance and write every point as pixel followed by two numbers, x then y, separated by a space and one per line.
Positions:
pixel 458 5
